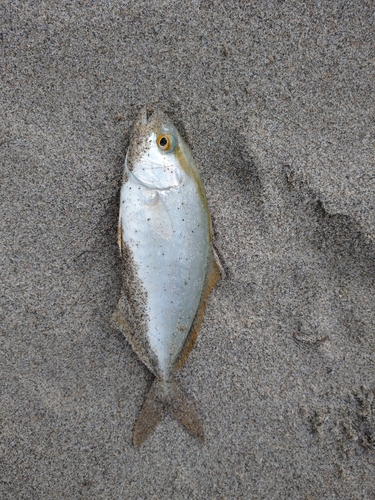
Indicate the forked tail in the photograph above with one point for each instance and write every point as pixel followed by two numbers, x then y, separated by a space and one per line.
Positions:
pixel 166 396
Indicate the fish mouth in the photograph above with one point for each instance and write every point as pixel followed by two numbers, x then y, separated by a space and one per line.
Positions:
pixel 143 115
pixel 147 115
pixel 143 118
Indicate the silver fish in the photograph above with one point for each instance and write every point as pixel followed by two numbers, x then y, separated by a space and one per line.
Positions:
pixel 170 266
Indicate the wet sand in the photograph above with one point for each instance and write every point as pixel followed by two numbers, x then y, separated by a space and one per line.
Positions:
pixel 277 104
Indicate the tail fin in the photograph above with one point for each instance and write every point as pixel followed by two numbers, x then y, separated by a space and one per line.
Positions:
pixel 166 396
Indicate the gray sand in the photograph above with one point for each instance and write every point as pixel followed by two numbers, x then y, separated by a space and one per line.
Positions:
pixel 277 103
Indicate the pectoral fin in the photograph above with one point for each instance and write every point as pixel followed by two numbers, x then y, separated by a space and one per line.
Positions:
pixel 216 272
pixel 160 220
pixel 219 270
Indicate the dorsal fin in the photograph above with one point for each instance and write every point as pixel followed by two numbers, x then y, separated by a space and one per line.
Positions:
pixel 213 277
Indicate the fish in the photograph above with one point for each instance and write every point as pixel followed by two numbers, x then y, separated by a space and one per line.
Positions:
pixel 169 265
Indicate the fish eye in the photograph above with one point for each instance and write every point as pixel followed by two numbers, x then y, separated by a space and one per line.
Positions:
pixel 165 142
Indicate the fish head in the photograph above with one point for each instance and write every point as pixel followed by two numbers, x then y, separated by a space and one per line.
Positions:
pixel 153 158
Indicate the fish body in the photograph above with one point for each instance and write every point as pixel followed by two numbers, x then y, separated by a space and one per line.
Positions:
pixel 165 238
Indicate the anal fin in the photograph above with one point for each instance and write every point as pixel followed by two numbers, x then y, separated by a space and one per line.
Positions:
pixel 121 321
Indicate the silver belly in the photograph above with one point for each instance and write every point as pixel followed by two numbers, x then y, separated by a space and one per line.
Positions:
pixel 168 234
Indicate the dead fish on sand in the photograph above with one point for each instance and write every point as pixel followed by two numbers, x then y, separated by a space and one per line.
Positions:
pixel 170 266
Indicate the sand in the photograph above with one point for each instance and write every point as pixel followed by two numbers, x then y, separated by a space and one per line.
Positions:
pixel 276 101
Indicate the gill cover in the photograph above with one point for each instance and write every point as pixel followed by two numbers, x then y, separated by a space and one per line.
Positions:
pixel 154 173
